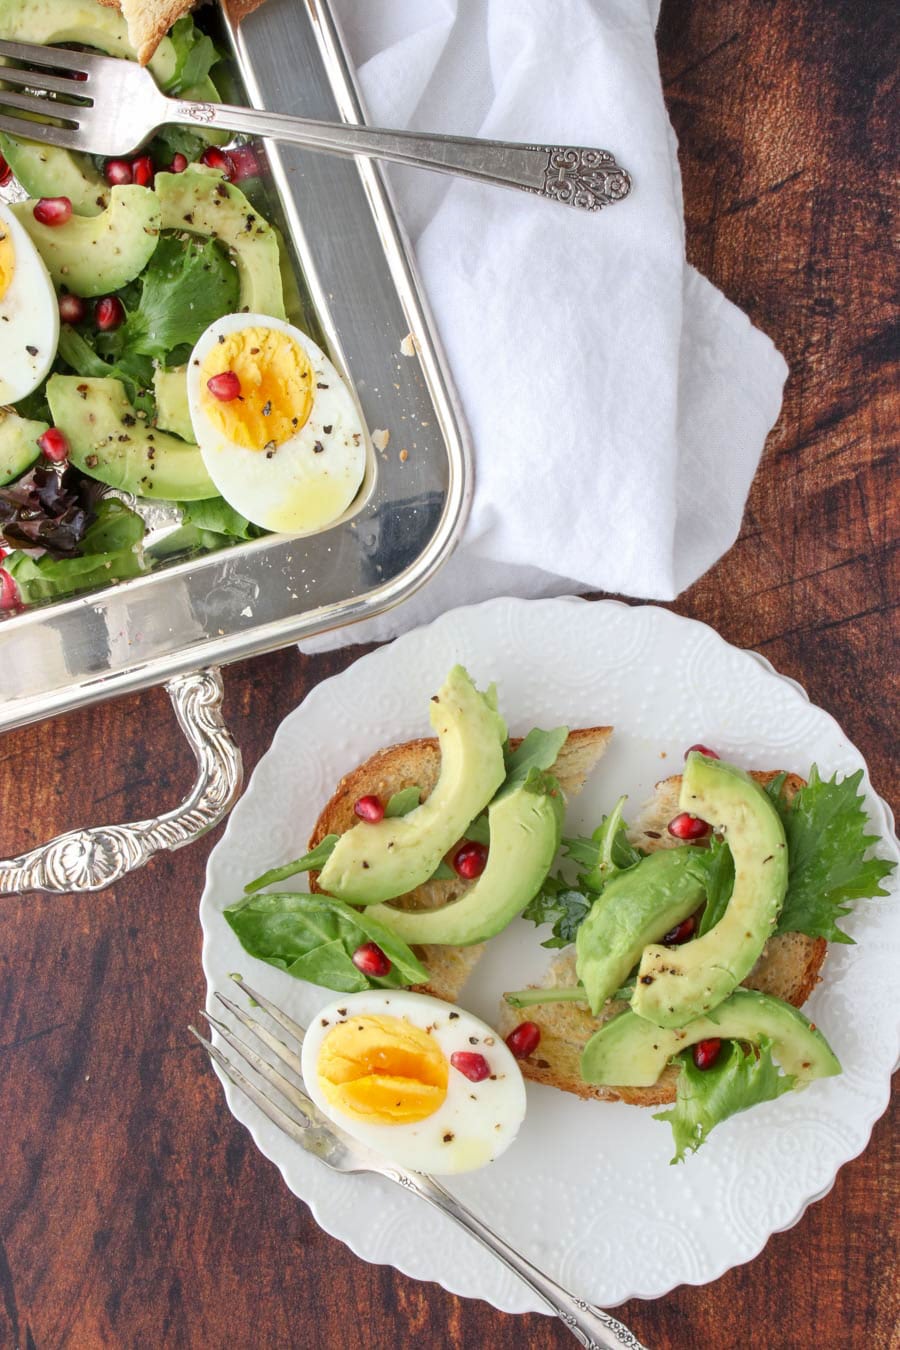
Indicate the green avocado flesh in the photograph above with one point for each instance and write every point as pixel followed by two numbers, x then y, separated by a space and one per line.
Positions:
pixel 636 907
pixel 48 171
pixel 629 1051
pixel 92 255
pixel 525 828
pixel 108 441
pixel 172 410
pixel 18 445
pixel 200 201
pixel 675 986
pixel 82 22
pixel 375 862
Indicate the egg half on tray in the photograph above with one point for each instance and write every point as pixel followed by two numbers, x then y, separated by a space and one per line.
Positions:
pixel 279 431
pixel 29 313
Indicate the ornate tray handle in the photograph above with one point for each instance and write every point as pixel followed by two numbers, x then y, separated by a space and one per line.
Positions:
pixel 92 859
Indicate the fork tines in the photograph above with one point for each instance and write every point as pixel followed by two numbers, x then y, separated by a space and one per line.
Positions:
pixel 56 58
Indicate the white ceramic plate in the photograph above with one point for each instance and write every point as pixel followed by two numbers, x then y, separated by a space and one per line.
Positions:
pixel 587 1191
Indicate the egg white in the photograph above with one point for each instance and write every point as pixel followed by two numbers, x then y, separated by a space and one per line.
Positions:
pixel 29 317
pixel 299 489
pixel 481 1119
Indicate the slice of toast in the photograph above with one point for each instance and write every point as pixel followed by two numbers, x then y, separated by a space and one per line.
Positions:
pixel 149 21
pixel 788 968
pixel 418 764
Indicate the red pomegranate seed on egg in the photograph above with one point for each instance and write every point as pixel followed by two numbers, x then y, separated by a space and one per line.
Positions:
pixel 5 172
pixel 707 1052
pixel 179 163
pixel 471 1065
pixel 371 960
pixel 470 860
pixel 9 591
pixel 686 826
pixel 52 210
pixel 53 445
pixel 702 750
pixel 246 165
pixel 109 313
pixel 142 168
pixel 369 809
pixel 72 309
pixel 681 932
pixel 524 1039
pixel 214 158
pixel 118 172
pixel 225 387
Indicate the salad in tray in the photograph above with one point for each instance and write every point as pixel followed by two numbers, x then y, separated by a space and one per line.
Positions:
pixel 685 944
pixel 145 351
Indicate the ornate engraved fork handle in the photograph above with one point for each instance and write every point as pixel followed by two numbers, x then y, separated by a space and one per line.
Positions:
pixel 593 1328
pixel 571 174
pixel 92 859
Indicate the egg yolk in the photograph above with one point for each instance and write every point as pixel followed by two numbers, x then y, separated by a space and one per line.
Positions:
pixel 7 260
pixel 383 1070
pixel 276 395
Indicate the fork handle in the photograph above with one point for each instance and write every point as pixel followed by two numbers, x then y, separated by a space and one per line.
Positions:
pixel 593 1328
pixel 572 174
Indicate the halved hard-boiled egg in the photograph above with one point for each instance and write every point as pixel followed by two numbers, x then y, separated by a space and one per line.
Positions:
pixel 421 1082
pixel 279 431
pixel 29 312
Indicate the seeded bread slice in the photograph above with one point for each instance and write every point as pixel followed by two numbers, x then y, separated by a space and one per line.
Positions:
pixel 788 968
pixel 418 763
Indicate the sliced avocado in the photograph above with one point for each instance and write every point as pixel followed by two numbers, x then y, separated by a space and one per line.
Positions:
pixel 172 411
pixel 525 828
pixel 199 200
pixel 637 906
pixel 374 862
pixel 48 171
pixel 92 255
pixel 18 444
pixel 675 986
pixel 58 22
pixel 629 1051
pixel 108 441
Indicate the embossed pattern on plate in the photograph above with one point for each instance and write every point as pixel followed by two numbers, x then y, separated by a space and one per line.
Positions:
pixel 633 1225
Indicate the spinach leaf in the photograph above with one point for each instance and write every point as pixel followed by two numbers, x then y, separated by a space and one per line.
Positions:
pixel 313 937
pixel 310 862
pixel 402 802
pixel 215 515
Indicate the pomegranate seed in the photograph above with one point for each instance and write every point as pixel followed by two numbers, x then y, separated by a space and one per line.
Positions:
pixel 179 163
pixel 76 75
pixel 246 165
pixel 72 309
pixel 686 826
pixel 470 860
pixel 707 1052
pixel 371 960
pixel 524 1039
pixel 471 1065
pixel 109 313
pixel 118 172
pixel 5 172
pixel 9 591
pixel 53 445
pixel 226 387
pixel 142 168
pixel 214 158
pixel 370 809
pixel 52 210
pixel 702 750
pixel 681 932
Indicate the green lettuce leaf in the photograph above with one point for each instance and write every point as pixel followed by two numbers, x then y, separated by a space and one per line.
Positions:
pixel 109 552
pixel 134 371
pixel 719 883
pixel 196 55
pixel 826 826
pixel 313 937
pixel 606 852
pixel 214 514
pixel 565 907
pixel 740 1078
pixel 188 283
pixel 537 751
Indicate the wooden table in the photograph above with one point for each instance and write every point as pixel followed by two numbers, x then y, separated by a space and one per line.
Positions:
pixel 135 1211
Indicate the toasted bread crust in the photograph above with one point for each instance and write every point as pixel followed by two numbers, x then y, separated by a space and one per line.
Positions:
pixel 789 969
pixel 418 763
pixel 149 21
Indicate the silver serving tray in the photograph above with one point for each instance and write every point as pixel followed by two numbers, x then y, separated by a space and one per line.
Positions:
pixel 357 289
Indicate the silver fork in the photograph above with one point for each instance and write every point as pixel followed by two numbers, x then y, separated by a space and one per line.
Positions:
pixel 301 1120
pixel 107 106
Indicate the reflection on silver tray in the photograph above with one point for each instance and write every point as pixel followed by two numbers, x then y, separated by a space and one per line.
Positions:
pixel 357 290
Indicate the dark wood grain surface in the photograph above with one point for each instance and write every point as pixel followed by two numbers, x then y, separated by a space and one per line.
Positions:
pixel 133 1210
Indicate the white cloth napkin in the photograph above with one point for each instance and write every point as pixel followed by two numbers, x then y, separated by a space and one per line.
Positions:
pixel 618 403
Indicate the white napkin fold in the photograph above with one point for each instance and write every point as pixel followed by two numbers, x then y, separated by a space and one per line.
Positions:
pixel 618 403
